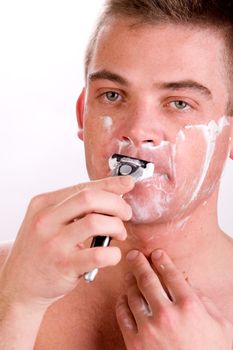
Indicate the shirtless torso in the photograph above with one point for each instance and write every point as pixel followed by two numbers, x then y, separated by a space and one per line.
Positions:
pixel 85 319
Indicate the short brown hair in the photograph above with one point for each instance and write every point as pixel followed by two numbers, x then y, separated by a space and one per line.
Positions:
pixel 204 13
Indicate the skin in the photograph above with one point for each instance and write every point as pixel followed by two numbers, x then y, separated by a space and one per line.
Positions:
pixel 43 299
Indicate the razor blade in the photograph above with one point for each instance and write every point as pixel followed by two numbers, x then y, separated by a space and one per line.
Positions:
pixel 121 165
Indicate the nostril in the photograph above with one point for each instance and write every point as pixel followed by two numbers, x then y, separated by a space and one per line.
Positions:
pixel 127 139
pixel 148 141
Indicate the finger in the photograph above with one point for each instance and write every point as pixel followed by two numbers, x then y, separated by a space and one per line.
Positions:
pixel 90 201
pixel 137 303
pixel 173 279
pixel 147 280
pixel 89 226
pixel 86 260
pixel 115 184
pixel 125 320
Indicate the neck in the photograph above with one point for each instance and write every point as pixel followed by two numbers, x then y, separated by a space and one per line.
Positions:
pixel 194 239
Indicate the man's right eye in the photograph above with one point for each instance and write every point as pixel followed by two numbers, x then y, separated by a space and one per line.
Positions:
pixel 112 96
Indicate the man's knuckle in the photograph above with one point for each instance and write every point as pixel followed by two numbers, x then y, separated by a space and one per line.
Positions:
pixel 92 222
pixel 41 221
pixel 189 303
pixel 86 197
pixel 145 278
pixel 165 317
pixel 38 201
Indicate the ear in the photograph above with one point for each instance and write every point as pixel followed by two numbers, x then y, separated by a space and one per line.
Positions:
pixel 79 113
pixel 231 139
pixel 231 150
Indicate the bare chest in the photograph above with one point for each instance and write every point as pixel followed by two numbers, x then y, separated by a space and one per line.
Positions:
pixel 87 323
pixel 80 326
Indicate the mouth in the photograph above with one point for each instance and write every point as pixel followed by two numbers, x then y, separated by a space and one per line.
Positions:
pixel 122 165
pixel 160 164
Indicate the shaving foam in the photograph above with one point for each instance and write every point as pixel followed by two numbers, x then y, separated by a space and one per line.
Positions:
pixel 210 131
pixel 107 122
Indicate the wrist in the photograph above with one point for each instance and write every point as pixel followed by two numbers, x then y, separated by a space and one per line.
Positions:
pixel 19 324
pixel 13 302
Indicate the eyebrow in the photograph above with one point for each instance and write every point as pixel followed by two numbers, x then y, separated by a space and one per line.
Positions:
pixel 177 85
pixel 107 75
pixel 186 85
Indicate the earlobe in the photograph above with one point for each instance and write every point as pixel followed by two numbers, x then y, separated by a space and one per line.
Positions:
pixel 79 113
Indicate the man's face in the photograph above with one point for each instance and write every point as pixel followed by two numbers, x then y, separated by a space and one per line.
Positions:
pixel 159 93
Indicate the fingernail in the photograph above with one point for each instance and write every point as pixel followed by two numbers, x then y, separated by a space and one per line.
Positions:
pixel 157 254
pixel 126 180
pixel 132 255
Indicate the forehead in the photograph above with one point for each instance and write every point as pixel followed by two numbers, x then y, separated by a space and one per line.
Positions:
pixel 161 52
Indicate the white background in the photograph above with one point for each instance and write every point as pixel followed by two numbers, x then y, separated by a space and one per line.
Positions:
pixel 41 75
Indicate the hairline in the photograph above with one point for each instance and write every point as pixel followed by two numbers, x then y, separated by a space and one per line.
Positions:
pixel 137 22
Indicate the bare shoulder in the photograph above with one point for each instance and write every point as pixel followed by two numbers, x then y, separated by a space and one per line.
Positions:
pixel 5 248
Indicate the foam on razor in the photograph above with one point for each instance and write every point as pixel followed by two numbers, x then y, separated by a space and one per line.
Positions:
pixel 139 169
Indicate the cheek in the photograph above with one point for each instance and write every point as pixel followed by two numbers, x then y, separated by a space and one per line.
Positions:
pixel 98 141
pixel 198 160
pixel 219 157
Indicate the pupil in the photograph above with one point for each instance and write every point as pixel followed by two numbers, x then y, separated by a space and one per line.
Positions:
pixel 111 95
pixel 180 104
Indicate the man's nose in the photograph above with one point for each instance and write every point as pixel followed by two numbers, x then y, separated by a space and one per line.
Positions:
pixel 143 126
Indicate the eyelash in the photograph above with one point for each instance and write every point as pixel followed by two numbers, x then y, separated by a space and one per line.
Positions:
pixel 106 99
pixel 186 109
pixel 104 96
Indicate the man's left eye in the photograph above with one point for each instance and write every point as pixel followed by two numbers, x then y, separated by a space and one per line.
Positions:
pixel 112 96
pixel 181 105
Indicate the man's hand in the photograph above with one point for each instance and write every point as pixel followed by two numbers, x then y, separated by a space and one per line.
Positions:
pixel 48 256
pixel 149 319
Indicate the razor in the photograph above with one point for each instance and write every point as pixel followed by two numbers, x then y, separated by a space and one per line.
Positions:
pixel 121 165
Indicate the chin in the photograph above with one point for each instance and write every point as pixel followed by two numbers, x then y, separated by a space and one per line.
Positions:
pixel 153 206
pixel 147 209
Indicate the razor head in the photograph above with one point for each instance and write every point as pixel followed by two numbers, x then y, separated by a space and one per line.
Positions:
pixel 122 165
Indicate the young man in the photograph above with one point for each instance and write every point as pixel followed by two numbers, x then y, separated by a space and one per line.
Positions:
pixel 158 88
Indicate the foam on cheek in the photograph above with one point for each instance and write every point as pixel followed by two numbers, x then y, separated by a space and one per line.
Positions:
pixel 167 193
pixel 151 146
pixel 107 122
pixel 211 131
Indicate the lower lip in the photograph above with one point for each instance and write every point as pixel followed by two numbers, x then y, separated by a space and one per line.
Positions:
pixel 160 181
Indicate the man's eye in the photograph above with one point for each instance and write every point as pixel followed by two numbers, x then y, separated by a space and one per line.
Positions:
pixel 181 105
pixel 112 96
